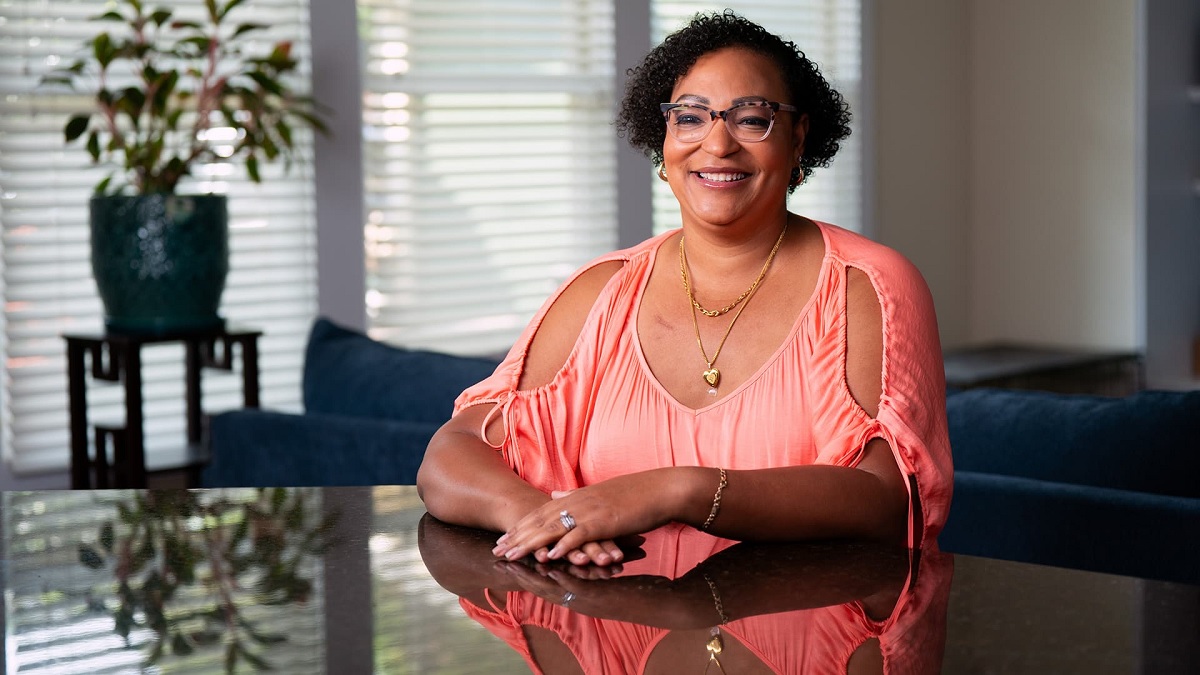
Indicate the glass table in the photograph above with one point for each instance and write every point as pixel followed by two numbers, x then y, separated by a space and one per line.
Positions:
pixel 361 580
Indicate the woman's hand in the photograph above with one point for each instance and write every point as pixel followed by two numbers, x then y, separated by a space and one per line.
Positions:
pixel 598 514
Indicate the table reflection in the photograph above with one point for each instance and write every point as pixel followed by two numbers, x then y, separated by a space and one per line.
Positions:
pixel 691 602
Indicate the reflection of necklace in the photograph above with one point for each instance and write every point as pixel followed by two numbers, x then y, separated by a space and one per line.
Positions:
pixel 714 647
pixel 713 376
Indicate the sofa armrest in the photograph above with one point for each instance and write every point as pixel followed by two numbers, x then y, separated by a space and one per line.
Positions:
pixel 1065 525
pixel 265 448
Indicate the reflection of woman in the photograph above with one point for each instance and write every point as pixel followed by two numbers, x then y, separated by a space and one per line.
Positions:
pixel 782 608
pixel 756 374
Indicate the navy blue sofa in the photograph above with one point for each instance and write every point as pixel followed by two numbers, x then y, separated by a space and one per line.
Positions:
pixel 1108 484
pixel 1087 482
pixel 369 411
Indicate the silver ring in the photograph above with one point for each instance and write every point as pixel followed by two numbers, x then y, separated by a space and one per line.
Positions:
pixel 567 598
pixel 566 519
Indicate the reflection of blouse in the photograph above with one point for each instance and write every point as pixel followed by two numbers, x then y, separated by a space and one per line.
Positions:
pixel 819 640
pixel 604 414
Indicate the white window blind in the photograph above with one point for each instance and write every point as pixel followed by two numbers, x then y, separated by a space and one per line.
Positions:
pixel 489 161
pixel 46 276
pixel 829 32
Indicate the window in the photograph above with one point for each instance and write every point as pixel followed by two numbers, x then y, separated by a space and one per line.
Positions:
pixel 489 160
pixel 829 32
pixel 44 254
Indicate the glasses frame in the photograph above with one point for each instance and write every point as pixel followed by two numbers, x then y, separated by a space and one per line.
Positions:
pixel 773 106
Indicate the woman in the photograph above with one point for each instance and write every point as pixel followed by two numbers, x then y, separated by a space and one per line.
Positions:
pixel 755 374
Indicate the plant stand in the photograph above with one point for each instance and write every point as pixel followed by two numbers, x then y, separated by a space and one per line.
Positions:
pixel 117 357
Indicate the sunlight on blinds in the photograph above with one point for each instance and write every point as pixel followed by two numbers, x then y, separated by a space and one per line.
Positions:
pixel 829 32
pixel 489 161
pixel 46 276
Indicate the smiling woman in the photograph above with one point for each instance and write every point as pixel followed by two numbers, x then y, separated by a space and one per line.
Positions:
pixel 755 374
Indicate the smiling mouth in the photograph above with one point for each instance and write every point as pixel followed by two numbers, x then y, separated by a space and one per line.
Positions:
pixel 723 177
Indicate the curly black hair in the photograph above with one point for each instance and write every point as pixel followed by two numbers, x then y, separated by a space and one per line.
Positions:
pixel 651 83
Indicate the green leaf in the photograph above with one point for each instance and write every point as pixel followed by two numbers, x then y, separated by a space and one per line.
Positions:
pixel 102 186
pixel 180 645
pixel 125 514
pixel 107 537
pixel 89 557
pixel 179 25
pixel 278 497
pixel 160 16
pixel 213 13
pixel 123 621
pixel 231 657
pixel 255 660
pixel 93 146
pixel 111 15
pixel 266 82
pixel 229 7
pixel 246 28
pixel 75 127
pixel 285 133
pixel 102 48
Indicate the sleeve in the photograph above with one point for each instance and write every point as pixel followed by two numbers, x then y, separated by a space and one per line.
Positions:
pixel 541 427
pixel 912 410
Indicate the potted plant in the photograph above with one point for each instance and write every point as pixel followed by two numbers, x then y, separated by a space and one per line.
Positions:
pixel 169 95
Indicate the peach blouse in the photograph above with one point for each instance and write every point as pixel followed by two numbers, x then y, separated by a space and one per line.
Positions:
pixel 604 414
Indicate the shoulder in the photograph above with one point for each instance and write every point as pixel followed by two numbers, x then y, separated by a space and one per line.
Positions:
pixel 567 311
pixel 893 276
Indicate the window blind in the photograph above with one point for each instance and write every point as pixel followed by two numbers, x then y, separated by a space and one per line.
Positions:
pixel 489 156
pixel 46 276
pixel 829 32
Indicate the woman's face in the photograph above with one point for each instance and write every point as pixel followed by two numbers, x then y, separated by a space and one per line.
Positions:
pixel 719 180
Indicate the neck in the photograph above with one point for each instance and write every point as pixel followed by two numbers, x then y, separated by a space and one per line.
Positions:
pixel 728 253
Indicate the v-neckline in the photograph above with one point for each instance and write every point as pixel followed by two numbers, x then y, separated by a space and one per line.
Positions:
pixel 822 279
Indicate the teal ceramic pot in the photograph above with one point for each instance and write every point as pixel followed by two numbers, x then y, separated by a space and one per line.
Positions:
pixel 160 261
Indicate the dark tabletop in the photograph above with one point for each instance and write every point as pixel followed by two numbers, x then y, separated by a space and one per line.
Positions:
pixel 360 580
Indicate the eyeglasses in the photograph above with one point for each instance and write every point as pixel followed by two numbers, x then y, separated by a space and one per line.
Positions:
pixel 749 122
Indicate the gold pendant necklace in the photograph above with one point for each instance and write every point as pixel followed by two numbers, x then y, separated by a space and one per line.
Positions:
pixel 712 375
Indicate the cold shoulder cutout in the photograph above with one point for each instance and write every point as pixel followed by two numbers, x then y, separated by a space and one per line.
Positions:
pixel 603 413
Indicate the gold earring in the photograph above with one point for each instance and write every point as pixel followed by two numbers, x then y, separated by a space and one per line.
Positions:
pixel 662 172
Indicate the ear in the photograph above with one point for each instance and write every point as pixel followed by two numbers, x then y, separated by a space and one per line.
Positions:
pixel 799 133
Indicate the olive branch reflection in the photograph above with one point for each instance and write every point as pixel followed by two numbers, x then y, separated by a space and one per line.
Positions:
pixel 235 550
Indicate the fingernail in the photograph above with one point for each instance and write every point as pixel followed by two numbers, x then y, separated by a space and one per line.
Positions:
pixel 617 555
pixel 511 554
pixel 603 558
pixel 555 553
pixel 503 538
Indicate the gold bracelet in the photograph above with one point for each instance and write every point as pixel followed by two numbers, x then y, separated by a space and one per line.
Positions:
pixel 712 587
pixel 716 505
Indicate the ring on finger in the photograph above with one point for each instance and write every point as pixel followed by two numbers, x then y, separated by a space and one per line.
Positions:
pixel 566 520
pixel 567 598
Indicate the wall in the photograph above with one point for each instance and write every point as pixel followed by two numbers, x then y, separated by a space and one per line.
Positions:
pixel 1054 215
pixel 921 127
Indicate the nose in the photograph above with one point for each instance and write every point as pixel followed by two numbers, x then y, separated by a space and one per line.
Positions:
pixel 719 142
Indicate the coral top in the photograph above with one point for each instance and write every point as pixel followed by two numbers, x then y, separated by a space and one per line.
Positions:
pixel 604 414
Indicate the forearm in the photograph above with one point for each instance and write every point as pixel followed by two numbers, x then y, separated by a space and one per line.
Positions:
pixel 465 482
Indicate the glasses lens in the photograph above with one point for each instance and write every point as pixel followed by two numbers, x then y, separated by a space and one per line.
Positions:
pixel 687 123
pixel 750 122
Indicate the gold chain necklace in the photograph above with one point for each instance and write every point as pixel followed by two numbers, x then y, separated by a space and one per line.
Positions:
pixel 745 294
pixel 713 376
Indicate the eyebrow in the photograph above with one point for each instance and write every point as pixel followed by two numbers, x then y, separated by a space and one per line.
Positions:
pixel 704 100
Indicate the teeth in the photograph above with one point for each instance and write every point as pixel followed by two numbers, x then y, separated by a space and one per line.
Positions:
pixel 723 177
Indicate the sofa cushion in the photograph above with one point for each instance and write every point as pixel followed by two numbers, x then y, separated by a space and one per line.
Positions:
pixel 267 448
pixel 348 373
pixel 1149 442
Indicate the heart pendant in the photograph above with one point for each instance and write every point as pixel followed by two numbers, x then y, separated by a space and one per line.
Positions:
pixel 712 376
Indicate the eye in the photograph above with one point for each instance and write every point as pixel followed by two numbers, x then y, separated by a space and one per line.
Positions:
pixel 753 121
pixel 688 117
